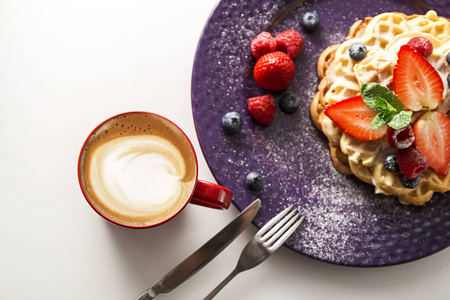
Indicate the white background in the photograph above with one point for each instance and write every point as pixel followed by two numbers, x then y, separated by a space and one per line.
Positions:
pixel 65 66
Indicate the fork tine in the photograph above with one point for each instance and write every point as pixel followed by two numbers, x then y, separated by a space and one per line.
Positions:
pixel 287 224
pixel 274 220
pixel 286 235
pixel 277 226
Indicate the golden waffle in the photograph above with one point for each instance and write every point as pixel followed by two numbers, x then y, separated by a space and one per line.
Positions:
pixel 342 78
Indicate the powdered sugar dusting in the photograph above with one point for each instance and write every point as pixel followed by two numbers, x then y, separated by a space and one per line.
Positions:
pixel 346 222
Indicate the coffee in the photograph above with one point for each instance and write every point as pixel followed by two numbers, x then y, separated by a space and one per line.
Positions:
pixel 138 169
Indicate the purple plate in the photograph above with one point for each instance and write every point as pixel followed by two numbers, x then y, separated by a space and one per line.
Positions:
pixel 346 222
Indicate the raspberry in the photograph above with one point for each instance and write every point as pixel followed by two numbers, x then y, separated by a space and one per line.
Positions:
pixel 289 42
pixel 411 162
pixel 263 43
pixel 262 109
pixel 421 45
pixel 274 71
pixel 400 138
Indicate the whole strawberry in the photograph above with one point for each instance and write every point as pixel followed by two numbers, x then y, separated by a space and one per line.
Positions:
pixel 289 42
pixel 274 71
pixel 262 109
pixel 263 43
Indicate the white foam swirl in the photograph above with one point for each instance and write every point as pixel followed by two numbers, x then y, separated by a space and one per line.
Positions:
pixel 142 173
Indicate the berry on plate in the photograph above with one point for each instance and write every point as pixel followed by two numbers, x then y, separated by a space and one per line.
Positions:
pixel 262 109
pixel 357 51
pixel 432 131
pixel 390 163
pixel 263 43
pixel 232 122
pixel 355 118
pixel 254 181
pixel 416 82
pixel 411 162
pixel 289 103
pixel 400 138
pixel 310 21
pixel 422 45
pixel 289 42
pixel 274 71
pixel 410 183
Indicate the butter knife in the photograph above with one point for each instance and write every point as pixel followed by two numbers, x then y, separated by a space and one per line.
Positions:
pixel 203 255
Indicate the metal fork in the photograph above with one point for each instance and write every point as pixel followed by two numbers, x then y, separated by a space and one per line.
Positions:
pixel 266 241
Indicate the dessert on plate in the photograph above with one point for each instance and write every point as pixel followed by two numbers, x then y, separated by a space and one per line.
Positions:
pixel 384 105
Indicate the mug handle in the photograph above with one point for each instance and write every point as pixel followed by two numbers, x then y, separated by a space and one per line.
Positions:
pixel 211 195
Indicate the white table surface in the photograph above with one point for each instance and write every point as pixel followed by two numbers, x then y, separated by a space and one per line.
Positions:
pixel 67 65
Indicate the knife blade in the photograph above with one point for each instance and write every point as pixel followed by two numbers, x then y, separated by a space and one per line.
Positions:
pixel 204 254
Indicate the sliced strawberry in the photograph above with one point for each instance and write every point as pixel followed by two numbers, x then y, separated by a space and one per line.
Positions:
pixel 432 133
pixel 416 82
pixel 355 118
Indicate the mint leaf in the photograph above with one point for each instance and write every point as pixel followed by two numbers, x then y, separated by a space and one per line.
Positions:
pixel 401 119
pixel 389 108
pixel 370 91
pixel 382 103
pixel 382 118
pixel 377 122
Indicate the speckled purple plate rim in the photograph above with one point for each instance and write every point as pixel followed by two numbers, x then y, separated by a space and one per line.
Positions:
pixel 346 223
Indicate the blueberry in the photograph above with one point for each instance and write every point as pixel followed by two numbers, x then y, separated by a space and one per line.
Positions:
pixel 410 183
pixel 448 79
pixel 310 21
pixel 448 57
pixel 232 122
pixel 357 51
pixel 289 103
pixel 254 181
pixel 390 163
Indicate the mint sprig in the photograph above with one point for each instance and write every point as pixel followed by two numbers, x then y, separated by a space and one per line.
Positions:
pixel 389 108
pixel 401 119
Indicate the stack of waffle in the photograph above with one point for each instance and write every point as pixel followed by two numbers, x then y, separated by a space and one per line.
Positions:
pixel 342 78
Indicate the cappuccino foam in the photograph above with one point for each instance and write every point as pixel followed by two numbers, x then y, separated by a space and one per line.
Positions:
pixel 138 169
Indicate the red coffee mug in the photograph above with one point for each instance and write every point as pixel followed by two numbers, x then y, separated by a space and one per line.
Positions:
pixel 128 130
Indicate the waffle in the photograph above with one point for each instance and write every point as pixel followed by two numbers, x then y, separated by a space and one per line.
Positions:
pixel 342 78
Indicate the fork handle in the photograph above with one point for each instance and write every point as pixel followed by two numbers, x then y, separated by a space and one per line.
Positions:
pixel 148 295
pixel 222 284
